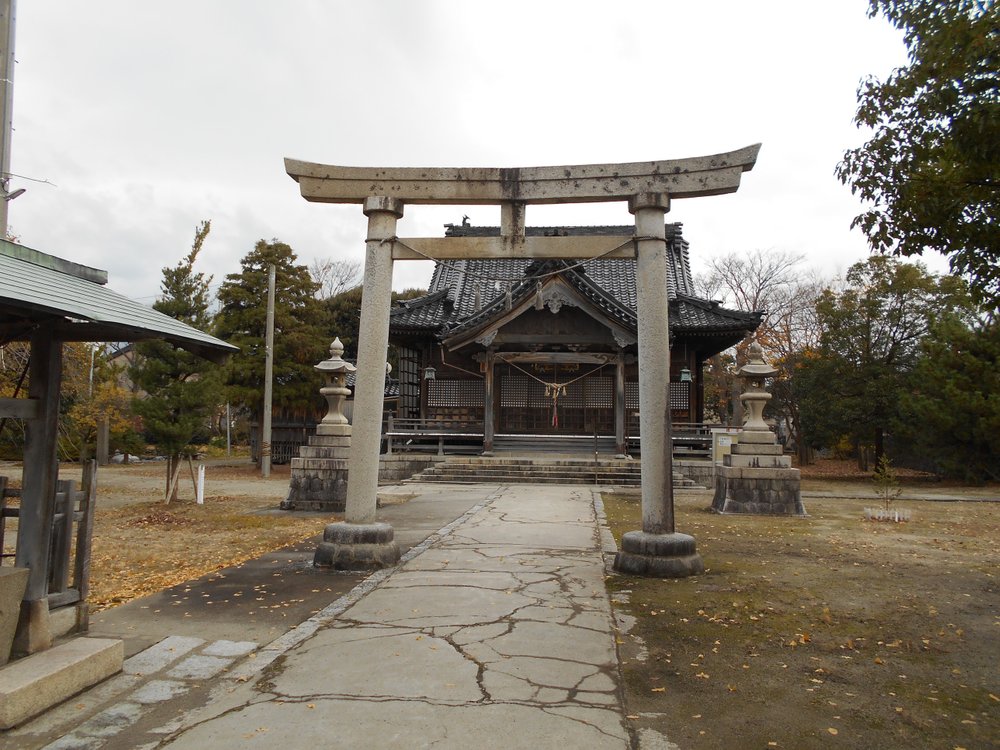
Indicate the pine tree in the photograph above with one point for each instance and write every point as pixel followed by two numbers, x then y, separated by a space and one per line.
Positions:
pixel 951 411
pixel 181 389
pixel 850 385
pixel 300 336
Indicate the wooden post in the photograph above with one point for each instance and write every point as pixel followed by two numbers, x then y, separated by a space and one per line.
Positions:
pixel 62 534
pixel 3 516
pixel 103 440
pixel 488 404
pixel 84 537
pixel 621 449
pixel 34 532
pixel 265 443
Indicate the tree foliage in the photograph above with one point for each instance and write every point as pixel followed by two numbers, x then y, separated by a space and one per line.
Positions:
pixel 107 400
pixel 344 311
pixel 951 411
pixel 300 336
pixel 930 172
pixel 344 319
pixel 181 389
pixel 851 383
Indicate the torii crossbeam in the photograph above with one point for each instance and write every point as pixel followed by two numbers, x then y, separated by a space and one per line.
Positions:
pixel 648 187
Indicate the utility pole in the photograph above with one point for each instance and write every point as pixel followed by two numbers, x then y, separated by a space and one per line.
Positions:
pixel 7 24
pixel 265 445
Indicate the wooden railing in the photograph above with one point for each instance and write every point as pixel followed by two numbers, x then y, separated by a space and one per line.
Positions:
pixel 69 573
pixel 690 439
pixel 460 435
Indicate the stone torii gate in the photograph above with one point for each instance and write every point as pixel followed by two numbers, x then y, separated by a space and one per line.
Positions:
pixel 648 187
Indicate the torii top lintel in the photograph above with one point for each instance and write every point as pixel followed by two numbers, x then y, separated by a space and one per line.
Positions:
pixel 678 178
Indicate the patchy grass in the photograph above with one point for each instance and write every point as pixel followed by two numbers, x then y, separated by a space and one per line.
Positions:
pixel 809 632
pixel 146 547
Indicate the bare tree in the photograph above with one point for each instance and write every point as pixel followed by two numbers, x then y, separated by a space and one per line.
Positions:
pixel 755 281
pixel 334 276
pixel 776 284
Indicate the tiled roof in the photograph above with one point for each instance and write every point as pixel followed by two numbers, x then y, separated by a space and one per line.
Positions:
pixel 72 298
pixel 465 293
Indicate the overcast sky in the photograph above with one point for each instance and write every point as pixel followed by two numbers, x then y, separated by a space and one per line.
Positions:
pixel 150 116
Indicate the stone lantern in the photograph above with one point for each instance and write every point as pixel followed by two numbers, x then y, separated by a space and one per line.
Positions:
pixel 757 477
pixel 319 474
pixel 755 397
pixel 335 391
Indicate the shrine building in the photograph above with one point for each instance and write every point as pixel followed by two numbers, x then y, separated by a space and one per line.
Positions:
pixel 516 350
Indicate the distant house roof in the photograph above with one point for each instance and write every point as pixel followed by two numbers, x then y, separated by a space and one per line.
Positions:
pixel 71 302
pixel 464 294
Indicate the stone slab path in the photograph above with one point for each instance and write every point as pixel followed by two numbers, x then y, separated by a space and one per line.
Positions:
pixel 496 632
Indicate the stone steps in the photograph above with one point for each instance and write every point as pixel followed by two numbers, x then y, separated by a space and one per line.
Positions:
pixel 37 682
pixel 517 470
pixel 527 444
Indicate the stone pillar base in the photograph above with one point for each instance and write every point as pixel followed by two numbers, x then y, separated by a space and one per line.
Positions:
pixel 350 546
pixel 658 555
pixel 771 492
pixel 13 582
pixel 34 632
pixel 311 491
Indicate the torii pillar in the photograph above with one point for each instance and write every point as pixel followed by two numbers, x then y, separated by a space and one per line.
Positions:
pixel 648 187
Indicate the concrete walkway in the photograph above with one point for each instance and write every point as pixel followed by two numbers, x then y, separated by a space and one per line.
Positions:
pixel 495 632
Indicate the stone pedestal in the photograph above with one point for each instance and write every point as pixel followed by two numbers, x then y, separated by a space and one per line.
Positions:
pixel 754 490
pixel 658 555
pixel 319 474
pixel 352 546
pixel 756 477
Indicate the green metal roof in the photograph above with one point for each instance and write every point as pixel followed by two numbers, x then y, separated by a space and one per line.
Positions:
pixel 71 302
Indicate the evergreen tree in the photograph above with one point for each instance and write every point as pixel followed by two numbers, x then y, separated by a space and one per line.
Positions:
pixel 344 311
pixel 300 336
pixel 181 388
pixel 344 318
pixel 850 384
pixel 951 411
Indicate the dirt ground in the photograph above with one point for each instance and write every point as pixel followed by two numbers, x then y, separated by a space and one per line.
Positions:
pixel 142 545
pixel 820 631
pixel 824 630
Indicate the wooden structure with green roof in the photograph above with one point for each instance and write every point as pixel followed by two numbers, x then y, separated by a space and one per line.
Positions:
pixel 46 301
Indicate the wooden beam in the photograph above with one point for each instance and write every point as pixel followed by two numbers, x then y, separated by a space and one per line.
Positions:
pixel 19 408
pixel 568 248
pixel 717 174
pixel 559 358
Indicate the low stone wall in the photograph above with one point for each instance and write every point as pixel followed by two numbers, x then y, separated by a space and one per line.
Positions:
pixel 400 466
pixel 701 473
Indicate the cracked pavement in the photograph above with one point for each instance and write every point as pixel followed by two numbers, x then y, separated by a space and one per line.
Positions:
pixel 496 632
